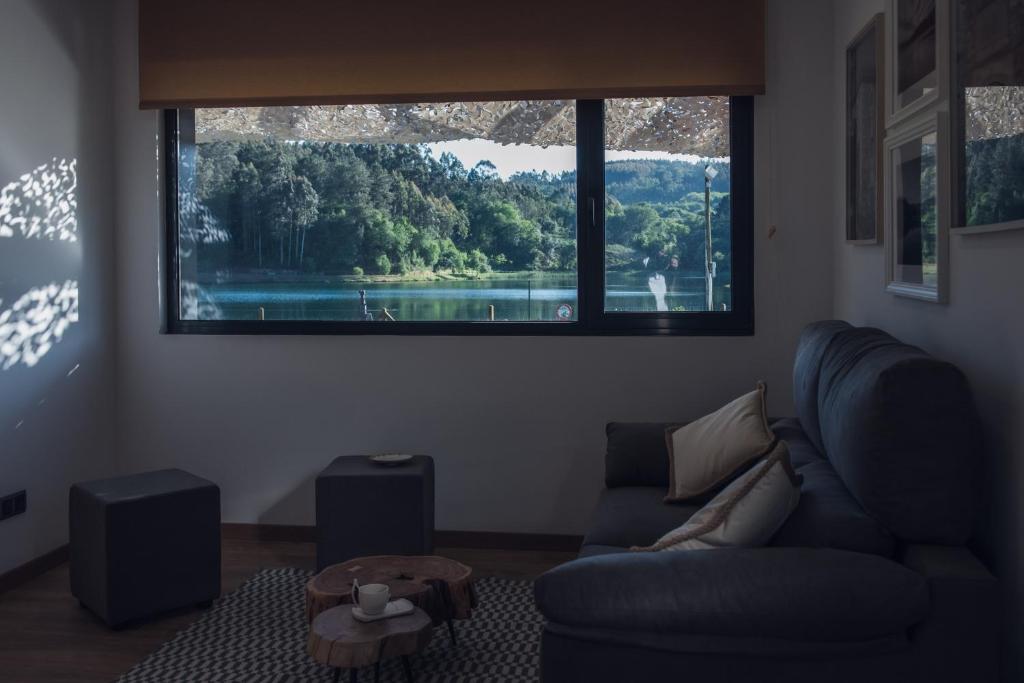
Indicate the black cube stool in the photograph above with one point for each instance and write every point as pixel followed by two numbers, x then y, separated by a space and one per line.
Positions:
pixel 363 508
pixel 144 544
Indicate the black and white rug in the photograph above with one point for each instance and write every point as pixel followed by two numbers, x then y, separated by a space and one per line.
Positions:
pixel 258 635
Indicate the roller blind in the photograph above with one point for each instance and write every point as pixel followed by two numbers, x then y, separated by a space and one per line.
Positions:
pixel 197 53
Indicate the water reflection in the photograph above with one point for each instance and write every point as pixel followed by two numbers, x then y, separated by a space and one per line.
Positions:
pixel 37 321
pixel 42 204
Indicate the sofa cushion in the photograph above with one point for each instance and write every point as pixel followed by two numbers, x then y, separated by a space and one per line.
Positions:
pixel 816 595
pixel 709 451
pixel 900 428
pixel 637 454
pixel 747 513
pixel 801 450
pixel 595 550
pixel 827 515
pixel 634 515
pixel 810 350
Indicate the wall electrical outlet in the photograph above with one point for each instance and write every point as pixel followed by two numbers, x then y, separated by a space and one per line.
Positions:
pixel 14 504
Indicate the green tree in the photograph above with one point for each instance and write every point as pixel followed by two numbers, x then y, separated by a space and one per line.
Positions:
pixel 293 205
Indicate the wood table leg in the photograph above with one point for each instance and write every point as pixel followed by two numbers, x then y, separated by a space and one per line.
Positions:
pixel 353 675
pixel 376 672
pixel 408 669
pixel 451 633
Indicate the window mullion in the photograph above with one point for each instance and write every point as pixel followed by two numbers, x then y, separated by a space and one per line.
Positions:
pixel 590 210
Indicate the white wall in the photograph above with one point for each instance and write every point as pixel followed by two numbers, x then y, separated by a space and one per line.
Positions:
pixel 980 331
pixel 516 425
pixel 55 103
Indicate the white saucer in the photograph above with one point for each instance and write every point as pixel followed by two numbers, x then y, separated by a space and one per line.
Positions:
pixel 391 458
pixel 395 608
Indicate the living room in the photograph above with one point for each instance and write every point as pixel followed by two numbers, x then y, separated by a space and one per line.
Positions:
pixel 522 244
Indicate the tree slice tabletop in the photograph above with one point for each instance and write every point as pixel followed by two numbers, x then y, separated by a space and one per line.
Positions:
pixel 337 639
pixel 443 588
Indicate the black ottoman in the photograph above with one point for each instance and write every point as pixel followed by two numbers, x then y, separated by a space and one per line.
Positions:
pixel 144 544
pixel 363 508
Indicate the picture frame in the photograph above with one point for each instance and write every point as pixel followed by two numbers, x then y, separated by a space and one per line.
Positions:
pixel 987 83
pixel 865 134
pixel 918 209
pixel 918 48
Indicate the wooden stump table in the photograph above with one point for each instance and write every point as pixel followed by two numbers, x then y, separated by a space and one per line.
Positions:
pixel 338 640
pixel 441 587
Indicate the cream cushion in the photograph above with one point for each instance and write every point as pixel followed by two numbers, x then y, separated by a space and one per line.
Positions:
pixel 747 512
pixel 707 452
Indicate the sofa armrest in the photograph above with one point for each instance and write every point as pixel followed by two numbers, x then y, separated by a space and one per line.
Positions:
pixel 961 635
pixel 789 593
pixel 942 564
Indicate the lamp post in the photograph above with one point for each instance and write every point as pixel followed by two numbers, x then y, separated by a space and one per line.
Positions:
pixel 709 257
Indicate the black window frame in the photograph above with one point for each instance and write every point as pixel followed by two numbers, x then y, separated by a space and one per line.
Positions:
pixel 590 236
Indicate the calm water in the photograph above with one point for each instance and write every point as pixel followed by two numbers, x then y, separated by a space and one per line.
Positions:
pixel 535 299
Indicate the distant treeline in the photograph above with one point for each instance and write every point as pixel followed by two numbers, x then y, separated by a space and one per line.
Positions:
pixel 995 180
pixel 381 209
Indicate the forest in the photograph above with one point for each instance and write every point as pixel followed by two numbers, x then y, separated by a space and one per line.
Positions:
pixel 994 182
pixel 377 210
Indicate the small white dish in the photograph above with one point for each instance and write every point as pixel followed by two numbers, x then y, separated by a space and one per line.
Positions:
pixel 395 608
pixel 391 458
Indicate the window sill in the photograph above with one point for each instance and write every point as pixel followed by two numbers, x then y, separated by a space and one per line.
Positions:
pixel 698 325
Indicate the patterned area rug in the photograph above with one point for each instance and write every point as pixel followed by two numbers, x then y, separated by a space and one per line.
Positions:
pixel 258 635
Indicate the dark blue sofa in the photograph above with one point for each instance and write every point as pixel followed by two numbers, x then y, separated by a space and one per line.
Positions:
pixel 870 578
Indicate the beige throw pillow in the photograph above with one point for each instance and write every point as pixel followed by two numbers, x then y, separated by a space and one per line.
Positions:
pixel 746 514
pixel 708 451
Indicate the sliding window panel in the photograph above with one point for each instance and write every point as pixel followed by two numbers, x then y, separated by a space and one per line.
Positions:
pixel 376 215
pixel 671 172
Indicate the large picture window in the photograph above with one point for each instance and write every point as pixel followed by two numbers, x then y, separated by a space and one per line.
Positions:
pixel 516 217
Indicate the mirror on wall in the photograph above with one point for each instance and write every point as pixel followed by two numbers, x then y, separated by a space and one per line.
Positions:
pixel 918 55
pixel 865 130
pixel 988 114
pixel 917 208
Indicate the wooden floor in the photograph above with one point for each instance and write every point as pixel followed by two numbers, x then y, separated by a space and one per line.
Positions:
pixel 46 637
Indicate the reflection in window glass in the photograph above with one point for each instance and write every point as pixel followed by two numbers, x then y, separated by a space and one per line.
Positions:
pixel 916 218
pixel 420 212
pixel 667 206
pixel 990 72
pixel 916 45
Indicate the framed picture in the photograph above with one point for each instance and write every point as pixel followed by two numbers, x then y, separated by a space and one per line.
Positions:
pixel 988 115
pixel 918 56
pixel 917 207
pixel 865 131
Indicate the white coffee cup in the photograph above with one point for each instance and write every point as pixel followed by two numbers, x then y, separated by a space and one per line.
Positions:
pixel 371 598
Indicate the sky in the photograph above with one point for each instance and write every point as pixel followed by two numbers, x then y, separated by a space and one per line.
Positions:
pixel 511 159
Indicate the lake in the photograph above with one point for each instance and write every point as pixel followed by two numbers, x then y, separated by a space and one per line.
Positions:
pixel 516 299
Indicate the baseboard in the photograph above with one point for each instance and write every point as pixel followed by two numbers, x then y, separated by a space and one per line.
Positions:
pixel 269 532
pixel 484 540
pixel 499 540
pixel 33 568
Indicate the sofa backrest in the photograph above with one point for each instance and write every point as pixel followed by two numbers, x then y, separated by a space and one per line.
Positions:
pixel 900 428
pixel 637 454
pixel 814 340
